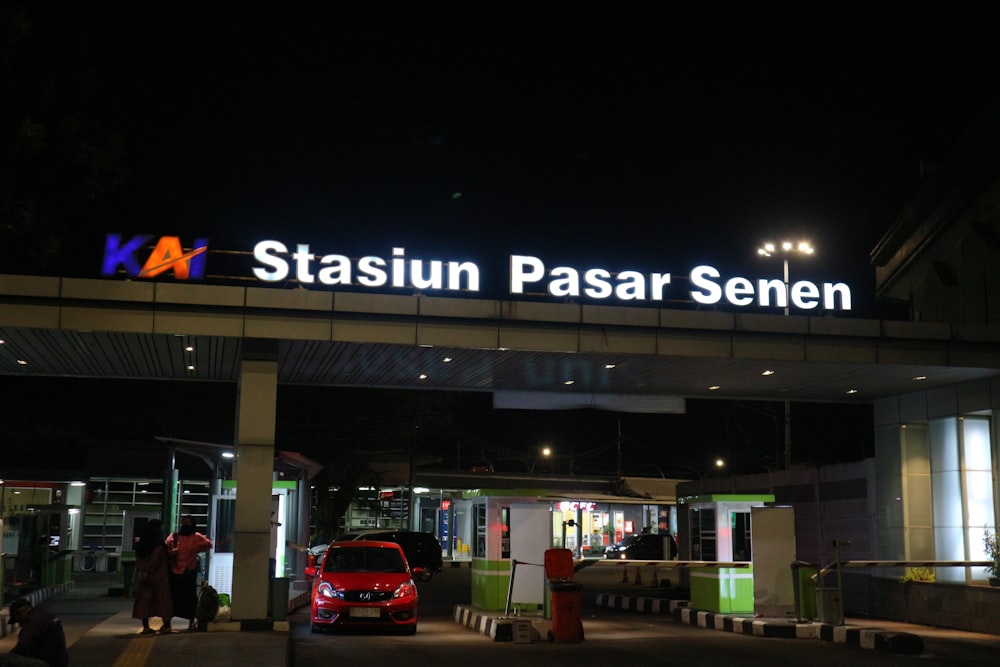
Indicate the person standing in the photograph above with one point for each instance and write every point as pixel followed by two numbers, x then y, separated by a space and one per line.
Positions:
pixel 184 546
pixel 41 641
pixel 152 574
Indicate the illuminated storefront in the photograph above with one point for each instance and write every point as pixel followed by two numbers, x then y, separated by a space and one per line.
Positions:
pixel 588 527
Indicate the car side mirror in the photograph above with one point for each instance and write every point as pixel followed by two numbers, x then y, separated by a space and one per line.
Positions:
pixel 310 572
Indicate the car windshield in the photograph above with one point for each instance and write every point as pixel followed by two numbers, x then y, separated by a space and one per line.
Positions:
pixel 363 559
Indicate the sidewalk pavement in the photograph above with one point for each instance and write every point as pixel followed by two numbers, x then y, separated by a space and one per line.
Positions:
pixel 115 642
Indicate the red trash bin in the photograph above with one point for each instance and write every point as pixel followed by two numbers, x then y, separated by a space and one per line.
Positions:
pixel 567 628
pixel 558 564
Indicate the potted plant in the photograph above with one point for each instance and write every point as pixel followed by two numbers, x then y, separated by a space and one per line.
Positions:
pixel 991 545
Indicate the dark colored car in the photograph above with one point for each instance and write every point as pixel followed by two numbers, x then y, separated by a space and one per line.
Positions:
pixel 423 551
pixel 649 546
pixel 363 583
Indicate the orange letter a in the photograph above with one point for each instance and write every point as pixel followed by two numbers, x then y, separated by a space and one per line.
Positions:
pixel 168 254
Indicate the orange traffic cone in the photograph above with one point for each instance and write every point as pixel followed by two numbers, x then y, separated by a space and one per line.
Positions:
pixel 625 575
pixel 638 576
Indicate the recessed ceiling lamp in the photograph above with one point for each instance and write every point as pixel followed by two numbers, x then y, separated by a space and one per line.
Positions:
pixel 190 368
pixel 852 391
pixel 189 348
pixel 447 360
pixel 423 376
pixel 767 372
pixel 22 362
pixel 714 387
pixel 610 366
pixel 569 382
pixel 918 378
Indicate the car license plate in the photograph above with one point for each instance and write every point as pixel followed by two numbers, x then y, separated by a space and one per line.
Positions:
pixel 365 612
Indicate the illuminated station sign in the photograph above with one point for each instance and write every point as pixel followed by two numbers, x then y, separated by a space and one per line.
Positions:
pixel 275 262
pixel 528 274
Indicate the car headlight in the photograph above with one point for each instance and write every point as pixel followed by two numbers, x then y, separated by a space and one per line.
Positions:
pixel 405 590
pixel 326 589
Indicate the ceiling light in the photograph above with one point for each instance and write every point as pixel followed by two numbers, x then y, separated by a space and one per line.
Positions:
pixel 918 378
pixel 189 349
pixel 423 376
pixel 2 341
pixel 569 382
pixel 447 360
pixel 714 387
pixel 22 362
pixel 190 368
pixel 78 483
pixel 609 366
pixel 768 372
pixel 852 391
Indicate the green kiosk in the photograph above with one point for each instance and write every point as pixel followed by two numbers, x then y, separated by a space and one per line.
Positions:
pixel 741 528
pixel 512 533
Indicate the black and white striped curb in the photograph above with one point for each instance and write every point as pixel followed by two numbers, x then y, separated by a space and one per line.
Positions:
pixel 496 628
pixel 644 605
pixel 870 638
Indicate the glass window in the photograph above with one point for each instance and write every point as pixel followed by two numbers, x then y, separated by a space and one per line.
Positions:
pixel 479 516
pixel 703 545
pixel 225 525
pixel 741 536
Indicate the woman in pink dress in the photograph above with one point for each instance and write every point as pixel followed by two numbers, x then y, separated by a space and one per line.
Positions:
pixel 184 547
pixel 152 578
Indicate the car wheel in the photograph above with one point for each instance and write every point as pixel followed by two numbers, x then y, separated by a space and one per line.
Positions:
pixel 410 630
pixel 425 575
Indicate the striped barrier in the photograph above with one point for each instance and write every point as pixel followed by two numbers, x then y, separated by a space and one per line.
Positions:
pixel 668 563
pixel 900 563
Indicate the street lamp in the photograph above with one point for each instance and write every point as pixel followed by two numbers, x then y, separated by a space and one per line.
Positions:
pixel 717 463
pixel 785 250
pixel 544 452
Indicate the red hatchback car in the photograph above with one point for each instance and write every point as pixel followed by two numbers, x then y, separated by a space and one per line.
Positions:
pixel 363 584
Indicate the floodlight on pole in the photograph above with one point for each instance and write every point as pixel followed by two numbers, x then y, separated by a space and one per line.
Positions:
pixel 785 250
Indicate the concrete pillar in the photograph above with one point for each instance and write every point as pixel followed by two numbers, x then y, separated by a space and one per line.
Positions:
pixel 257 396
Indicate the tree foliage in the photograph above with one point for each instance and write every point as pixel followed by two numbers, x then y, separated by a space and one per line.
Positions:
pixel 57 160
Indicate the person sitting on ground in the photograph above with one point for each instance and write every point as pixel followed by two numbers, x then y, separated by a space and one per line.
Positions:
pixel 41 641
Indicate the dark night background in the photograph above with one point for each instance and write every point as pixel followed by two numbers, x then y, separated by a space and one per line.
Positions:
pixel 646 137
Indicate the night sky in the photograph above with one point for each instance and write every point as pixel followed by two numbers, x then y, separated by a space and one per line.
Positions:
pixel 646 137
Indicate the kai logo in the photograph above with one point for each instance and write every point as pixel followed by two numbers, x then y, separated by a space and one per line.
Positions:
pixel 167 255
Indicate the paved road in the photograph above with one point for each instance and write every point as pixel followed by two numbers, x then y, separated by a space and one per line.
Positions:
pixel 612 637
